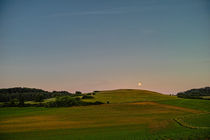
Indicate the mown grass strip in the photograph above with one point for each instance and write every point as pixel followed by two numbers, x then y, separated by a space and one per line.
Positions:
pixel 184 124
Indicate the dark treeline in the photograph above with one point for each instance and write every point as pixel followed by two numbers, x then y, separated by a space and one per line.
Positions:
pixel 30 94
pixel 66 101
pixel 20 90
pixel 16 97
pixel 60 101
pixel 195 93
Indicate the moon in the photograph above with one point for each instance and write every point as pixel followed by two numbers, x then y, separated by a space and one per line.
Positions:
pixel 139 84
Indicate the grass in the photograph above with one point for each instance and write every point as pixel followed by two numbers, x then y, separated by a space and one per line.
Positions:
pixel 197 121
pixel 205 97
pixel 198 104
pixel 44 101
pixel 49 100
pixel 131 115
pixel 128 95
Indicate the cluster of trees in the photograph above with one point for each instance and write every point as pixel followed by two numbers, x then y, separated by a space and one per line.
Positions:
pixel 195 93
pixel 17 97
pixel 67 101
pixel 20 90
pixel 31 94
pixel 87 97
pixel 61 101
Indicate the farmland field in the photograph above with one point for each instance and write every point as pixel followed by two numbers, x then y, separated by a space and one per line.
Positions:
pixel 130 115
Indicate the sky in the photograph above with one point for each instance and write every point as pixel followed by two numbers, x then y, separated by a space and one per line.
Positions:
pixel 91 45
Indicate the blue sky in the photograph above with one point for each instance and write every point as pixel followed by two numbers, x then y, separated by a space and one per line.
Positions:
pixel 105 44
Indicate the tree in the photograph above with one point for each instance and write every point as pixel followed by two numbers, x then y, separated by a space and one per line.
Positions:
pixel 78 92
pixel 13 102
pixel 21 100
pixel 87 97
pixel 39 98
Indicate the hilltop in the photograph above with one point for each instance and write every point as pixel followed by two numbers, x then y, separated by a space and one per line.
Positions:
pixel 128 95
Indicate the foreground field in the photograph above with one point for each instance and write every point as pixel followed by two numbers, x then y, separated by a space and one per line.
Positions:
pixel 131 114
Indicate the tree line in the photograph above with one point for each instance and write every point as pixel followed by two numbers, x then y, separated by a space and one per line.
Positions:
pixel 16 97
pixel 195 93
pixel 31 94
pixel 67 101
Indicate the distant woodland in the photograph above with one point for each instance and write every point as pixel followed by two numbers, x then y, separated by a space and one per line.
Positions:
pixel 201 93
pixel 30 94
pixel 17 96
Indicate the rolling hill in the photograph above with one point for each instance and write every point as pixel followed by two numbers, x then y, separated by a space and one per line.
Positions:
pixel 128 95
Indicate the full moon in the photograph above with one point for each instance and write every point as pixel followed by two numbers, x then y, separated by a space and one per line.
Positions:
pixel 139 84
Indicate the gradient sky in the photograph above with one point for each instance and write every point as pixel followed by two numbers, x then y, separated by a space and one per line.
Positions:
pixel 91 45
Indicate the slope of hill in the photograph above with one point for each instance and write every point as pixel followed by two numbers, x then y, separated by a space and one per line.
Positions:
pixel 128 95
pixel 135 95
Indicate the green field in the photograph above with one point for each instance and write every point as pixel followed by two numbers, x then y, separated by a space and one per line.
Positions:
pixel 131 115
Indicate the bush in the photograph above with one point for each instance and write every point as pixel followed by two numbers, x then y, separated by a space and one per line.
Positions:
pixel 87 97
pixel 13 102
pixel 39 98
pixel 64 101
pixel 78 93
pixel 78 98
pixel 97 103
pixel 92 103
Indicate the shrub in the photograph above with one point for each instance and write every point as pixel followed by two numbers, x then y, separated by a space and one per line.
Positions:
pixel 64 101
pixel 13 102
pixel 39 98
pixel 87 97
pixel 78 93
pixel 78 98
pixel 97 103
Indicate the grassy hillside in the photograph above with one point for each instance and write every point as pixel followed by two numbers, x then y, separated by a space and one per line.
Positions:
pixel 128 95
pixel 131 115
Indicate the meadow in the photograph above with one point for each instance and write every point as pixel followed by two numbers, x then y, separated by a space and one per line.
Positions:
pixel 130 115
